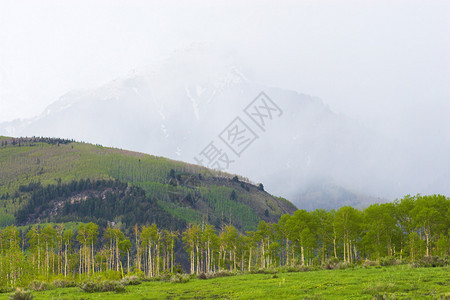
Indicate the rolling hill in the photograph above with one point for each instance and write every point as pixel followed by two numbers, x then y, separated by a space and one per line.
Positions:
pixel 59 180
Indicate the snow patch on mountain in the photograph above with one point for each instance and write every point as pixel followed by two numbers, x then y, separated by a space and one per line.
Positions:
pixel 194 102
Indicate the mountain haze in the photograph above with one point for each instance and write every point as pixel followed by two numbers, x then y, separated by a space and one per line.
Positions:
pixel 177 108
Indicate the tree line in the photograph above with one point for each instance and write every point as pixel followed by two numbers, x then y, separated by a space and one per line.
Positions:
pixel 31 141
pixel 407 229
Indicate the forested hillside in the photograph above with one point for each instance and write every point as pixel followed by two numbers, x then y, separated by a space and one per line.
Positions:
pixel 38 177
pixel 104 202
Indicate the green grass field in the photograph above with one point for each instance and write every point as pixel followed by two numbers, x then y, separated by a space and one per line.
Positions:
pixel 397 282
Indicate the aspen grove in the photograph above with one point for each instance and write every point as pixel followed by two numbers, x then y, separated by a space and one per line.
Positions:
pixel 406 230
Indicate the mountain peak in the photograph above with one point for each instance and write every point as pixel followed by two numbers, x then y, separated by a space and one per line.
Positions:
pixel 177 107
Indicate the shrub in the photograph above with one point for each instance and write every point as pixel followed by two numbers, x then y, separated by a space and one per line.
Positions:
pixel 222 273
pixel 202 276
pixel 90 287
pixel 113 286
pixel 21 295
pixel 37 285
pixel 131 280
pixel 61 283
pixel 388 261
pixel 179 278
pixel 105 286
pixel 292 270
pixel 431 262
pixel 370 263
pixel 343 265
pixel 165 277
pixel 333 260
pixel 331 263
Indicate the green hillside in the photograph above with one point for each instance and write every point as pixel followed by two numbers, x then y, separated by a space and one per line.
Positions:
pixel 188 193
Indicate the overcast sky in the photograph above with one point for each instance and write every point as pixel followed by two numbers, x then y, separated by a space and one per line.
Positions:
pixel 384 63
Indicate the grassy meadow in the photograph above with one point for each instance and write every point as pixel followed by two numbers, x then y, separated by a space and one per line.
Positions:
pixel 394 282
